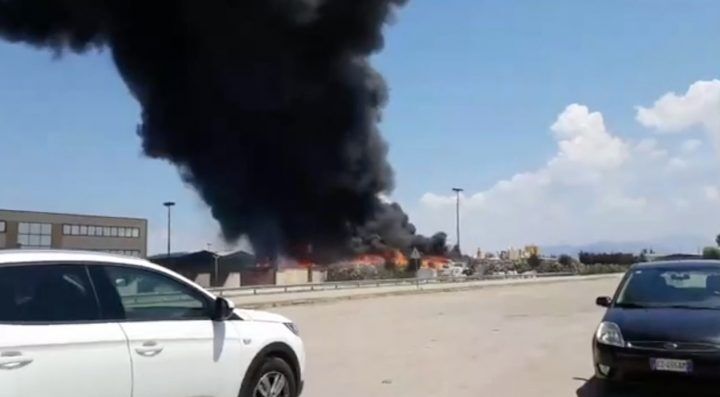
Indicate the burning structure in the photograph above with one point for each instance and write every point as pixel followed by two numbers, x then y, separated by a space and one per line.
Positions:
pixel 269 109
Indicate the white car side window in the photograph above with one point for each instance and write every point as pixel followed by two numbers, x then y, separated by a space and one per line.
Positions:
pixel 147 295
pixel 46 294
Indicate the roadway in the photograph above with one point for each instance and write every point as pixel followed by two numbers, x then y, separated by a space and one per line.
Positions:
pixel 530 339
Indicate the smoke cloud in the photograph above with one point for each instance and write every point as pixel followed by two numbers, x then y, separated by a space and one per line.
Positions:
pixel 269 108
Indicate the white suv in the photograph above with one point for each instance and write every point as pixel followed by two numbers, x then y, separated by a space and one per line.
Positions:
pixel 76 324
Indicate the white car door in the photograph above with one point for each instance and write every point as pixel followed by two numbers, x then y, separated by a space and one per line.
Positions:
pixel 52 339
pixel 175 347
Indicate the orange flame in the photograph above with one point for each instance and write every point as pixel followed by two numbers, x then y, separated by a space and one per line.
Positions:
pixel 397 258
pixel 434 262
pixel 369 260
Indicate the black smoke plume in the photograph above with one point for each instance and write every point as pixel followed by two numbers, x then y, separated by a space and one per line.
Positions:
pixel 269 108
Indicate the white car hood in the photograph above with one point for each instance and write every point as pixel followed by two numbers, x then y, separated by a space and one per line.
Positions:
pixel 257 315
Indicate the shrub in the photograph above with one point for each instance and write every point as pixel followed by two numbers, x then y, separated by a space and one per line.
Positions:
pixel 614 258
pixel 355 273
pixel 565 261
pixel 601 269
pixel 534 262
pixel 551 266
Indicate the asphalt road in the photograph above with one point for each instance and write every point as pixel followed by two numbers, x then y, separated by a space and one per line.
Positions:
pixel 516 341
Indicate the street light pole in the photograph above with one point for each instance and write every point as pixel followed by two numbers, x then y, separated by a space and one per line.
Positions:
pixel 217 270
pixel 169 205
pixel 457 191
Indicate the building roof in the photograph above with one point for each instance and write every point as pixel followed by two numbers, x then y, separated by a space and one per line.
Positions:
pixel 238 258
pixel 172 255
pixel 71 214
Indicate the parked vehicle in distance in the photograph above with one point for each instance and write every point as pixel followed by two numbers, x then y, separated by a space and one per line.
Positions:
pixel 78 324
pixel 454 269
pixel 662 323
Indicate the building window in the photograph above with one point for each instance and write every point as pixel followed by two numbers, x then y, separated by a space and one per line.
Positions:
pixel 3 226
pixel 99 231
pixel 133 253
pixel 34 235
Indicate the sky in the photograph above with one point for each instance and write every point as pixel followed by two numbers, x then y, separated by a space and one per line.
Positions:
pixel 566 122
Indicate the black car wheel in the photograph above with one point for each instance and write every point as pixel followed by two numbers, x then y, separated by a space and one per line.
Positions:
pixel 274 378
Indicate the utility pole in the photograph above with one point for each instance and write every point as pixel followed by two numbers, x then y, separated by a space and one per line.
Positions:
pixel 457 191
pixel 216 267
pixel 169 205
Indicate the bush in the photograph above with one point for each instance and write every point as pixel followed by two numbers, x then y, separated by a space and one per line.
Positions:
pixel 355 273
pixel 565 261
pixel 521 267
pixel 601 269
pixel 534 262
pixel 614 258
pixel 551 266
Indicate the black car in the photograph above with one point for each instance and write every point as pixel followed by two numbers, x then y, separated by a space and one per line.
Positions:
pixel 662 324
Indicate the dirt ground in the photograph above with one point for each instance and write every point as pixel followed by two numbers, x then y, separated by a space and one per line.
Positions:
pixel 516 341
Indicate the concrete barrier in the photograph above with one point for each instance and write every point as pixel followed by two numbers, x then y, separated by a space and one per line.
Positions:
pixel 259 301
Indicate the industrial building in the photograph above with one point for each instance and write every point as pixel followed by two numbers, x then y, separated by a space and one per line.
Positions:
pixel 45 230
pixel 236 269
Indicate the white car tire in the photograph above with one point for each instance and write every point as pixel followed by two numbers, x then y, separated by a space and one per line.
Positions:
pixel 273 378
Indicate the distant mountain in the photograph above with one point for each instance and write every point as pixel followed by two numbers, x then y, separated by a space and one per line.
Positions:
pixel 665 245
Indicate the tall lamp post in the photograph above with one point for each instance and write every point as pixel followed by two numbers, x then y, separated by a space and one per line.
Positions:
pixel 216 269
pixel 457 191
pixel 169 205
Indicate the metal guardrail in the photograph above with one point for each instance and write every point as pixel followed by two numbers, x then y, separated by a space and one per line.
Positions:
pixel 339 285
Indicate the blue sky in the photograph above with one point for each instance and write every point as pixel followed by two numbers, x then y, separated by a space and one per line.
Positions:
pixel 475 88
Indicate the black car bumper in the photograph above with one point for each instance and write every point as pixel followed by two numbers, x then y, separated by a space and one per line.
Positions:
pixel 627 364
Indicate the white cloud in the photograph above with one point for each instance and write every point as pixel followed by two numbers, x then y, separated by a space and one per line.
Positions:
pixel 712 193
pixel 698 107
pixel 598 186
pixel 648 147
pixel 674 113
pixel 584 139
pixel 437 201
pixel 677 163
pixel 691 145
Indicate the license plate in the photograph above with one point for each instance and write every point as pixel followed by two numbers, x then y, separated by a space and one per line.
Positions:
pixel 670 365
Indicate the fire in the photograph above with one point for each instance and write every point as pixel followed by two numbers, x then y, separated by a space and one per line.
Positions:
pixel 397 258
pixel 369 260
pixel 306 263
pixel 434 262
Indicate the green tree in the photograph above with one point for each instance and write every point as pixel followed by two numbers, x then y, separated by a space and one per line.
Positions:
pixel 717 240
pixel 565 261
pixel 534 261
pixel 711 253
